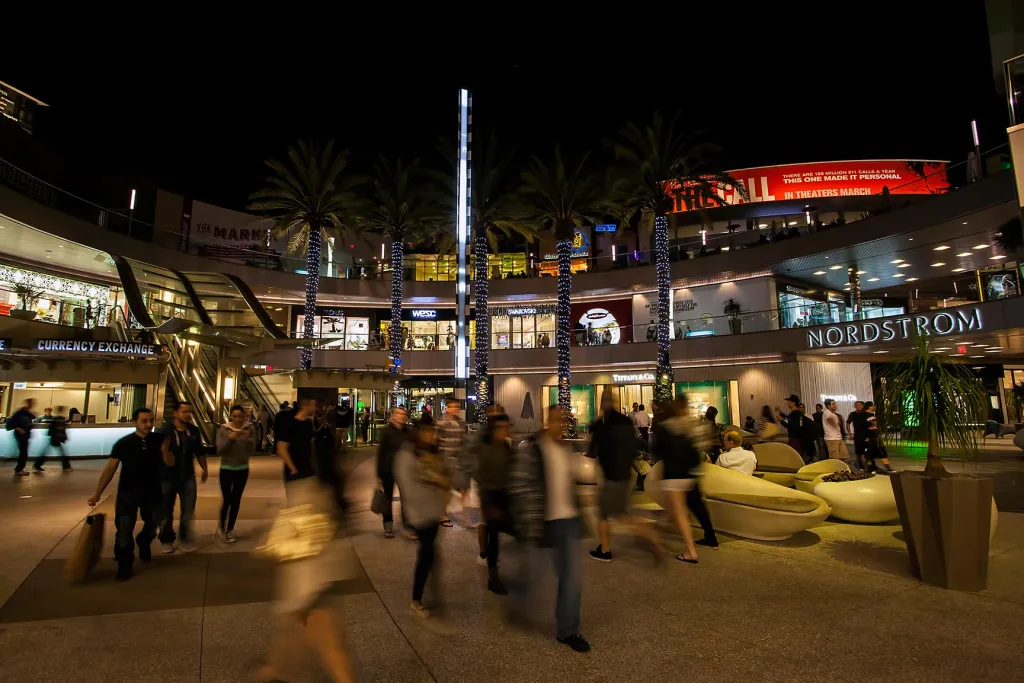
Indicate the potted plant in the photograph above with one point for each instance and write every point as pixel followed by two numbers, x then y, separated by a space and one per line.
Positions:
pixel 733 310
pixel 946 517
pixel 26 294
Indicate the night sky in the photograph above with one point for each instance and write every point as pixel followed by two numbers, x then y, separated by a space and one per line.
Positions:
pixel 867 86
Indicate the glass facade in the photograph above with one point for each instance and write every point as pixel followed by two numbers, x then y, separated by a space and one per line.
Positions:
pixel 525 327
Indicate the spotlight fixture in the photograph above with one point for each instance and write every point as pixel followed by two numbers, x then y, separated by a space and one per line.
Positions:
pixel 899 260
pixel 872 279
pixel 834 267
pixel 941 247
pixel 939 263
pixel 903 265
pixel 996 258
pixel 819 272
pixel 979 246
pixel 861 272
pixel 899 275
pixel 963 254
pixel 911 279
pixel 959 270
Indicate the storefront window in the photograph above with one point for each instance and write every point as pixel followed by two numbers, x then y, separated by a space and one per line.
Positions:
pixel 506 265
pixel 527 327
pixel 57 300
pixel 550 268
pixel 800 311
pixel 701 395
pixel 583 401
pixel 430 268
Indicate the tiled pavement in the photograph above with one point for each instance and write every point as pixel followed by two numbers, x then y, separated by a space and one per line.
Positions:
pixel 836 603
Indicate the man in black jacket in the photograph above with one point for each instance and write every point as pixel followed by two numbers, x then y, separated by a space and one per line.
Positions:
pixel 613 443
pixel 390 442
pixel 793 421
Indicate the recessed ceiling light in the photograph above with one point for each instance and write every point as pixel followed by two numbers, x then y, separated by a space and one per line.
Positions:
pixel 881 352
pixel 963 253
pixel 861 272
pixel 899 260
pixel 872 279
pixel 996 349
pixel 899 275
pixel 965 222
pixel 959 270
pixel 941 247
pixel 955 355
pixel 834 267
pixel 942 348
pixel 996 258
pixel 819 272
pixel 935 351
pixel 911 239
pixel 979 246
pixel 791 223
pixel 904 265
pixel 978 346
pixel 936 265
pixel 762 226
pixel 977 356
pixel 834 353
pixel 911 279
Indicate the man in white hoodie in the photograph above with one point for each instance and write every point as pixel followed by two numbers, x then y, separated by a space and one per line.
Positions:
pixel 831 424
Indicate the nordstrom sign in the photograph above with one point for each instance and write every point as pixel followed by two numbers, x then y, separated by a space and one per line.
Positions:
pixel 963 319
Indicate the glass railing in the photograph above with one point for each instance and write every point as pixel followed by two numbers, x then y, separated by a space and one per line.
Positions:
pixel 416 268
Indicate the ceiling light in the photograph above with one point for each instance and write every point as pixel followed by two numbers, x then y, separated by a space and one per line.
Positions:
pixel 872 279
pixel 941 247
pixel 996 258
pixel 899 275
pixel 834 353
pixel 819 272
pixel 965 222
pixel 936 265
pixel 959 270
pixel 935 351
pixel 942 348
pixel 911 279
pixel 994 350
pixel 903 265
pixel 979 246
pixel 978 346
pixel 977 356
pixel 899 260
pixel 881 352
pixel 791 223
pixel 762 226
pixel 955 355
pixel 861 272
pixel 834 267
pixel 963 253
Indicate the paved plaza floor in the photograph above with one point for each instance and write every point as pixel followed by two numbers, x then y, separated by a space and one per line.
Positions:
pixel 836 603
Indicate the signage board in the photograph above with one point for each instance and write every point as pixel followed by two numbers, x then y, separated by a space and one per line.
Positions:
pixel 78 347
pixel 937 323
pixel 822 179
pixel 605 227
pixel 647 377
pixel 423 314
pixel 5 344
pixel 528 310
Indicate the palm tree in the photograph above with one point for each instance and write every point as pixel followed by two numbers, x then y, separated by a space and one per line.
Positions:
pixel 660 167
pixel 929 398
pixel 308 200
pixel 400 206
pixel 496 210
pixel 563 196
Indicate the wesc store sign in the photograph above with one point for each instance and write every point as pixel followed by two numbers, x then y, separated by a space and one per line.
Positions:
pixel 835 179
pixel 950 321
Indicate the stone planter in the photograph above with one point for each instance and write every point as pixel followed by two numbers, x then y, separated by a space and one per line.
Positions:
pixel 21 314
pixel 947 524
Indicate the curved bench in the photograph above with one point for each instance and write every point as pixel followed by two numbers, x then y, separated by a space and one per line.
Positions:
pixel 865 501
pixel 806 475
pixel 747 506
pixel 777 462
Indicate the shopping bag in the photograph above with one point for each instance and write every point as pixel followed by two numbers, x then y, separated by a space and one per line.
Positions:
pixel 380 502
pixel 87 549
pixel 297 533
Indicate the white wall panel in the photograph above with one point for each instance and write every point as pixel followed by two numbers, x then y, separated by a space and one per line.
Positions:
pixel 840 381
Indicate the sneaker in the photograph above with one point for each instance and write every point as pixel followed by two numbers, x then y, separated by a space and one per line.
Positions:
pixel 124 572
pixel 20 473
pixel 705 543
pixel 145 554
pixel 419 610
pixel 186 547
pixel 596 554
pixel 495 585
pixel 577 642
pixel 167 548
pixel 481 559
pixel 229 537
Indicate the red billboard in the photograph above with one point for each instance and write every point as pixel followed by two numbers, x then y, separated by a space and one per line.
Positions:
pixel 820 179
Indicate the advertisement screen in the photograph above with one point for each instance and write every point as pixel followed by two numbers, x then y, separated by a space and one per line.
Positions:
pixel 223 234
pixel 834 179
pixel 999 285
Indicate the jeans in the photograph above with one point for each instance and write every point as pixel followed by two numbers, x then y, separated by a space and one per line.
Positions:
pixel 388 486
pixel 426 536
pixel 563 535
pixel 64 460
pixel 173 489
pixel 22 442
pixel 232 483
pixel 127 507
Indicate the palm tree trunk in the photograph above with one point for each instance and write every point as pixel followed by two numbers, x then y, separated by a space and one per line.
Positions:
pixel 933 467
pixel 483 328
pixel 562 337
pixel 312 290
pixel 663 385
pixel 395 329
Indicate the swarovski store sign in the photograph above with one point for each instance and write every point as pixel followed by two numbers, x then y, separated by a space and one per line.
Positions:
pixel 937 323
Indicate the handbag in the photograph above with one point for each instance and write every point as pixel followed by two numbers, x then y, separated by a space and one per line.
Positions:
pixel 87 550
pixel 380 502
pixel 297 533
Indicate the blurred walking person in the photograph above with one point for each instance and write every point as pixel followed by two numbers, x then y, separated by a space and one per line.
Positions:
pixel 364 424
pixel 547 513
pixel 236 443
pixel 302 585
pixel 493 466
pixel 391 440
pixel 264 420
pixel 182 445
pixel 425 488
pixel 21 424
pixel 139 455
pixel 451 439
pixel 677 449
pixel 614 445
pixel 56 437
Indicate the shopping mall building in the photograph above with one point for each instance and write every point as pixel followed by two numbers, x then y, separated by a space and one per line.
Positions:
pixel 822 273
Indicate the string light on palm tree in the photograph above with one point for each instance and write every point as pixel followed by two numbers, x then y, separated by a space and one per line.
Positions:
pixel 395 328
pixel 563 336
pixel 663 387
pixel 483 326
